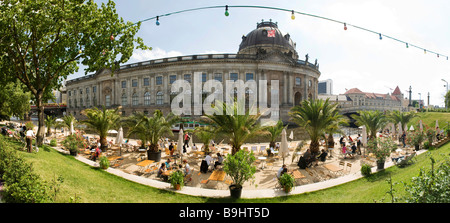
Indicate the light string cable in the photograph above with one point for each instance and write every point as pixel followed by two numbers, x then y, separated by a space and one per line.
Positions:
pixel 293 17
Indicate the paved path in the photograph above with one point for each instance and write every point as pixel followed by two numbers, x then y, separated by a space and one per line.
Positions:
pixel 263 193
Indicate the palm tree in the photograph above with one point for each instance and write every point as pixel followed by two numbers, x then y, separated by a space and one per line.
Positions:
pixel 315 116
pixel 101 121
pixel 204 134
pixel 151 129
pixel 50 121
pixel 68 121
pixel 401 117
pixel 238 128
pixel 373 120
pixel 274 132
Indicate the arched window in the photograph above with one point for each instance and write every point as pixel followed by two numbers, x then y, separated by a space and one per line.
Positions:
pixel 108 100
pixel 147 98
pixel 124 99
pixel 159 98
pixel 135 99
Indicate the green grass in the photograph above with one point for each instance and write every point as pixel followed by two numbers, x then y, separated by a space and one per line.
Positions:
pixel 429 118
pixel 93 185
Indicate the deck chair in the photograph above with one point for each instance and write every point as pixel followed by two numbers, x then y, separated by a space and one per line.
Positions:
pixel 262 149
pixel 406 160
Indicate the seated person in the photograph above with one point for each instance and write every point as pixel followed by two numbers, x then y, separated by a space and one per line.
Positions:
pixel 219 160
pixel 281 171
pixel 209 160
pixel 167 163
pixel 398 159
pixel 346 151
pixel 187 168
pixel 353 148
pixel 161 170
pixel 322 156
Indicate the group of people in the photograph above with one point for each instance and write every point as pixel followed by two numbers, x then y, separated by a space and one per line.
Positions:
pixel 308 159
pixel 209 162
pixel 168 166
pixel 351 147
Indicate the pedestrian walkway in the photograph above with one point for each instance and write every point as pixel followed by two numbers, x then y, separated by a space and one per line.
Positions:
pixel 261 193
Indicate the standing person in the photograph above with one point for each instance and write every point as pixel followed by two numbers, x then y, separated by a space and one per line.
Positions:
pixel 29 139
pixel 186 140
pixel 358 144
pixel 171 148
pixel 404 139
pixel 341 141
pixel 330 145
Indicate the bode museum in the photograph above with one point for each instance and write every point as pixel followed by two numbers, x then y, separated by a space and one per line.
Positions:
pixel 265 53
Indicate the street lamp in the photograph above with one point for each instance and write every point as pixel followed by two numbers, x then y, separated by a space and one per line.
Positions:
pixel 446 91
pixel 420 99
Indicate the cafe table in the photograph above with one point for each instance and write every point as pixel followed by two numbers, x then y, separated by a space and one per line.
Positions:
pixel 144 164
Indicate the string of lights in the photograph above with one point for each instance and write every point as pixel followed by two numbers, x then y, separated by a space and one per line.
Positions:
pixel 293 12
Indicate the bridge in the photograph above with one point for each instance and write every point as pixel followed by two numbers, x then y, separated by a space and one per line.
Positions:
pixel 51 109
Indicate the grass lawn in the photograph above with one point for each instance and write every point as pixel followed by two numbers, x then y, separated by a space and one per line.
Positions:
pixel 429 118
pixel 93 185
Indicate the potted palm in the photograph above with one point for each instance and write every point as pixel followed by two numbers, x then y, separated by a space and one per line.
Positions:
pixel 101 121
pixel 176 179
pixel 381 148
pixel 151 129
pixel 239 167
pixel 415 139
pixel 73 143
pixel 287 182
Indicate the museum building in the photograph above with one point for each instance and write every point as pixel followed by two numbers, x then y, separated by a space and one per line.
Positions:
pixel 265 53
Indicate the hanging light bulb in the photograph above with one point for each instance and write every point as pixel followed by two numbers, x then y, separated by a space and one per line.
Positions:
pixel 345 26
pixel 380 36
pixel 292 16
pixel 157 20
pixel 438 55
pixel 407 46
pixel 424 51
pixel 226 11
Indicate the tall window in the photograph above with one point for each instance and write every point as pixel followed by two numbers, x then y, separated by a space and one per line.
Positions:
pixel 218 77
pixel 249 76
pixel 204 77
pixel 81 102
pixel 234 76
pixel 146 81
pixel 298 81
pixel 172 78
pixel 134 83
pixel 159 80
pixel 94 89
pixel 159 98
pixel 187 77
pixel 135 99
pixel 124 84
pixel 147 98
pixel 75 103
pixel 108 100
pixel 124 99
pixel 88 102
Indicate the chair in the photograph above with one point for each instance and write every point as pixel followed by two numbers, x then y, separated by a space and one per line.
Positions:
pixel 406 161
pixel 255 149
pixel 262 149
pixel 349 165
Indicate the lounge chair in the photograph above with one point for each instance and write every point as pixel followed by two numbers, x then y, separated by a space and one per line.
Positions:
pixel 406 160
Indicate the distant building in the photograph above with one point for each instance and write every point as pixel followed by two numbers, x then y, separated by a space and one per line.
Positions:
pixel 325 87
pixel 355 100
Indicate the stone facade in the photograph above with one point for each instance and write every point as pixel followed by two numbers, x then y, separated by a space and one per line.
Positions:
pixel 146 86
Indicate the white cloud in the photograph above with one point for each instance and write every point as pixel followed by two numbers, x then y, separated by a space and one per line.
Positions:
pixel 155 53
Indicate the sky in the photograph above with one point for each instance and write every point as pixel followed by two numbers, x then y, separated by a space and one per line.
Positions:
pixel 351 58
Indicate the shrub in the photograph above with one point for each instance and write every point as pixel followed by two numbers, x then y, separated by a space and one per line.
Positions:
pixel 104 162
pixel 53 142
pixel 366 170
pixel 22 185
pixel 239 167
pixel 74 142
pixel 177 178
pixel 287 182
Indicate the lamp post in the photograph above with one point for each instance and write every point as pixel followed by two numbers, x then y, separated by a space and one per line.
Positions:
pixel 446 85
pixel 420 99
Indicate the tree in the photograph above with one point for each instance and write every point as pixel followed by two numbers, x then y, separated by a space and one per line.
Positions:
pixel 447 99
pixel 14 101
pixel 204 134
pixel 373 120
pixel 42 42
pixel 235 127
pixel 151 129
pixel 402 117
pixel 50 121
pixel 101 121
pixel 315 116
pixel 274 132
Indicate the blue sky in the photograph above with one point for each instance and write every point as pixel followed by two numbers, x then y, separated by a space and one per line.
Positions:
pixel 351 58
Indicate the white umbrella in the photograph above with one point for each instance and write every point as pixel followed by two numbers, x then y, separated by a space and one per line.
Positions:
pixel 291 136
pixel 364 138
pixel 437 124
pixel 119 137
pixel 71 128
pixel 406 128
pixel 112 131
pixel 284 148
pixel 180 143
pixel 420 125
pixel 412 128
pixel 59 120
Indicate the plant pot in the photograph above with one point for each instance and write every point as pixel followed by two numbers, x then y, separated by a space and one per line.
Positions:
pixel 380 165
pixel 235 191
pixel 156 156
pixel 287 189
pixel 177 186
pixel 73 153
pixel 417 147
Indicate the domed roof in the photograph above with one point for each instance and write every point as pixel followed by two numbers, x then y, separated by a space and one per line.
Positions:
pixel 267 33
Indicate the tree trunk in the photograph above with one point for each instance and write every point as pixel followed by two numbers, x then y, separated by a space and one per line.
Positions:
pixel 314 147
pixel 41 126
pixel 234 150
pixel 104 143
